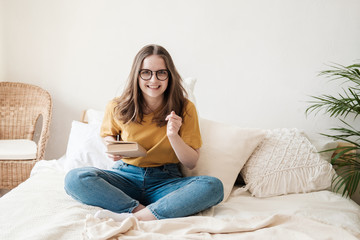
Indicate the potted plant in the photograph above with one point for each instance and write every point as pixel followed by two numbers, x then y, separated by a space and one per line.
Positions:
pixel 346 105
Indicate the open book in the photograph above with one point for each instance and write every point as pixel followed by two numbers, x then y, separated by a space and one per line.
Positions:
pixel 126 149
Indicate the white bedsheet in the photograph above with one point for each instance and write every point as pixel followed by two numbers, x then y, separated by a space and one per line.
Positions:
pixel 40 209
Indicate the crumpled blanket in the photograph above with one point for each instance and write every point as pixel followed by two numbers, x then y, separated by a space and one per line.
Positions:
pixel 40 209
pixel 199 227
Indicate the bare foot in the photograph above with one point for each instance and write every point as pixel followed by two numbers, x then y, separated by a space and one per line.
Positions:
pixel 138 208
pixel 145 215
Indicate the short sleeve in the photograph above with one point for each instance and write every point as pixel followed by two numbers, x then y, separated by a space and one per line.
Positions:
pixel 109 127
pixel 190 129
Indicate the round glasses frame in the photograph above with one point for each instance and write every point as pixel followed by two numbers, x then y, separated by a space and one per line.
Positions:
pixel 143 71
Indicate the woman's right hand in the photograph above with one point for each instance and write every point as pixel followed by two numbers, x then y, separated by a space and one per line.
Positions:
pixel 114 157
pixel 111 156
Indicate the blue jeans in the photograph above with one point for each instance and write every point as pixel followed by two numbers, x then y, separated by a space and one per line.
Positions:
pixel 162 189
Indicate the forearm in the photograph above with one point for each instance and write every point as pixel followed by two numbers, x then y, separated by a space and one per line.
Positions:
pixel 186 154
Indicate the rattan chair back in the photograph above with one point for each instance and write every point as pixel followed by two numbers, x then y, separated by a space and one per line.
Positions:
pixel 21 105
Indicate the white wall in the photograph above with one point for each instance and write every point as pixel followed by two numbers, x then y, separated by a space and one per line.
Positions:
pixel 256 61
pixel 1 42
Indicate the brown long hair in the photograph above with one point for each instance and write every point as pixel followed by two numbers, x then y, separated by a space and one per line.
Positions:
pixel 131 104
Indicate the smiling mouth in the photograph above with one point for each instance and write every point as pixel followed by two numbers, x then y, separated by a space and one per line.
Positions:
pixel 153 87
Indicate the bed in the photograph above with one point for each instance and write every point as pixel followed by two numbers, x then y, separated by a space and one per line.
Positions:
pixel 276 186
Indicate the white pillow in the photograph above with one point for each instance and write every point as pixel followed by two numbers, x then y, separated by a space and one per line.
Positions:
pixel 85 148
pixel 286 162
pixel 224 151
pixel 94 116
pixel 189 85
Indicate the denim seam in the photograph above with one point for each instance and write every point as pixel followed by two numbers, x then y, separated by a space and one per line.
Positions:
pixel 154 213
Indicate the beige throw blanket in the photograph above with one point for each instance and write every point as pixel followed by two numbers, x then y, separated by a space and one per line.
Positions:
pixel 266 227
pixel 39 209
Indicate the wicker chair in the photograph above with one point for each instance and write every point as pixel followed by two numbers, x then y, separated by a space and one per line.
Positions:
pixel 20 107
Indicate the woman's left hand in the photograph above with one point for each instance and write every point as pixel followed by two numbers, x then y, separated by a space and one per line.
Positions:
pixel 173 125
pixel 186 154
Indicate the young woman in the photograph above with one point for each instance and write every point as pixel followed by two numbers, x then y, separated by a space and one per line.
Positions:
pixel 154 112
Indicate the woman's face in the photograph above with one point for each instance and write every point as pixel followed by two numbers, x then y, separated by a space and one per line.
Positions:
pixel 153 89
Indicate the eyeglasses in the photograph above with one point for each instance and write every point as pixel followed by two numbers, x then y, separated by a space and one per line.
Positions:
pixel 147 74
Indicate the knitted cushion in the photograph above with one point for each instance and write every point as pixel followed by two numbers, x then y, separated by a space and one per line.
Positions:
pixel 286 162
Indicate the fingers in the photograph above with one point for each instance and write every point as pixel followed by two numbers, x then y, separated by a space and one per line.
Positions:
pixel 174 120
pixel 115 157
pixel 169 116
pixel 174 124
pixel 173 116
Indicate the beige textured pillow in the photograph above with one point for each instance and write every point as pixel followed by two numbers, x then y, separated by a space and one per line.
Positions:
pixel 224 151
pixel 286 162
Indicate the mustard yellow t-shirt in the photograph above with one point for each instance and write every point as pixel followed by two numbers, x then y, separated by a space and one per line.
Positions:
pixel 152 137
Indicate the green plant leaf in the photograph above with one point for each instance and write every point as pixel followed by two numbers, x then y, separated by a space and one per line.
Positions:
pixel 347 159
